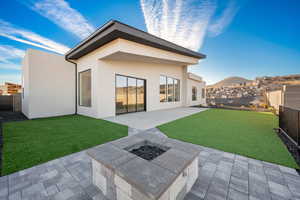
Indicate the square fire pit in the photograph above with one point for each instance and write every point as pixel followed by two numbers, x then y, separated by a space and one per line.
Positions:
pixel 145 167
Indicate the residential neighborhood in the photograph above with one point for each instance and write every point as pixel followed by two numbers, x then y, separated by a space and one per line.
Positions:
pixel 241 92
pixel 10 88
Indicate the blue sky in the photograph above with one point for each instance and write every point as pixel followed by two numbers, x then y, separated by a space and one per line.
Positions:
pixel 247 38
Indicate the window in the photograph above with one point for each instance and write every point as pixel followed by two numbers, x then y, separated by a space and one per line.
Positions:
pixel 140 96
pixel 194 93
pixel 203 93
pixel 177 89
pixel 169 89
pixel 85 87
pixel 163 89
pixel 130 94
pixel 121 94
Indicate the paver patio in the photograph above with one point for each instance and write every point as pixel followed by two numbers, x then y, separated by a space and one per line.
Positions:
pixel 221 176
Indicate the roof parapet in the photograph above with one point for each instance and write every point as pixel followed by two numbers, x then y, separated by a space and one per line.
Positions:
pixel 194 77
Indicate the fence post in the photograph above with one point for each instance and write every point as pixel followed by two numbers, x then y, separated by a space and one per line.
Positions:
pixel 280 115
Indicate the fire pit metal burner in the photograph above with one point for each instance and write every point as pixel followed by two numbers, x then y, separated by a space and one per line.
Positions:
pixel 147 150
pixel 145 167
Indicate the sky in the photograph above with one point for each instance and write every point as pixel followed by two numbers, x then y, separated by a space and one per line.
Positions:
pixel 246 38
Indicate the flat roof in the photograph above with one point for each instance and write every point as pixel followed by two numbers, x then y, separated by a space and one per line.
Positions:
pixel 115 29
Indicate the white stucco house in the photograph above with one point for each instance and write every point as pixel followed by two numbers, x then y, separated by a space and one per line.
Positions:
pixel 117 69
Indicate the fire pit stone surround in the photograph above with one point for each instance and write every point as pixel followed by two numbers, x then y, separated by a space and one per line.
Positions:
pixel 122 175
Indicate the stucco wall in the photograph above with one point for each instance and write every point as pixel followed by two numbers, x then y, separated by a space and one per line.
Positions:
pixel 25 84
pixel 90 61
pixel 49 85
pixel 289 96
pixel 199 85
pixel 275 98
pixel 149 71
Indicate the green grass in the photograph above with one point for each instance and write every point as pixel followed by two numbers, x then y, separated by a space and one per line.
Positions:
pixel 32 142
pixel 243 132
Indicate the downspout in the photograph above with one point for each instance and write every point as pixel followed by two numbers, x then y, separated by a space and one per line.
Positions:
pixel 75 82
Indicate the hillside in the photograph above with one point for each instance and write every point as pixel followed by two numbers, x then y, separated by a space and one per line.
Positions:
pixel 230 81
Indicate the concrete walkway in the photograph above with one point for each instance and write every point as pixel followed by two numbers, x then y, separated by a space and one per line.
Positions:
pixel 151 119
pixel 221 176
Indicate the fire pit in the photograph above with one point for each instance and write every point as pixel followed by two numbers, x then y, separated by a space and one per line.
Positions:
pixel 147 150
pixel 145 167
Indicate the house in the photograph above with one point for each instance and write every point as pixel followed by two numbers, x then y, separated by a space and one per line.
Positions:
pixel 117 69
pixel 10 88
pixel 288 96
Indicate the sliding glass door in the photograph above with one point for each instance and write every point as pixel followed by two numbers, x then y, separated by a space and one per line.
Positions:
pixel 140 95
pixel 130 94
pixel 121 94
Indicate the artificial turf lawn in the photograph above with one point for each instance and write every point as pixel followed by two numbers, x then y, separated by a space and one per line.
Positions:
pixel 32 142
pixel 242 132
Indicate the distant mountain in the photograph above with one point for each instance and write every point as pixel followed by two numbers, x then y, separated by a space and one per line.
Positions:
pixel 230 81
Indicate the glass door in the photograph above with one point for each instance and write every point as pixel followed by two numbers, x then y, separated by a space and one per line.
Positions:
pixel 121 94
pixel 130 94
pixel 140 97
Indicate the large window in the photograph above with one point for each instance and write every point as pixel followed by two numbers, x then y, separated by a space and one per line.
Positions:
pixel 177 89
pixel 131 94
pixel 169 89
pixel 140 94
pixel 194 93
pixel 121 94
pixel 203 93
pixel 163 89
pixel 85 87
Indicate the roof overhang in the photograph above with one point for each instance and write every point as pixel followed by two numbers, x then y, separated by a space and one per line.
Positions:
pixel 114 29
pixel 124 50
pixel 125 56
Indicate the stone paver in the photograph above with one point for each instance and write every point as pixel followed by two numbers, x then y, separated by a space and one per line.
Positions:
pixel 221 176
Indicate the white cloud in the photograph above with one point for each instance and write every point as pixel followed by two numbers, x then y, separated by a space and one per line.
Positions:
pixel 7 55
pixel 21 35
pixel 224 19
pixel 10 66
pixel 60 13
pixel 180 21
pixel 184 22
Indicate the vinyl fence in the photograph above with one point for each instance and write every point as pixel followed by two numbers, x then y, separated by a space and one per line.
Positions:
pixel 289 122
pixel 10 102
pixel 6 103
